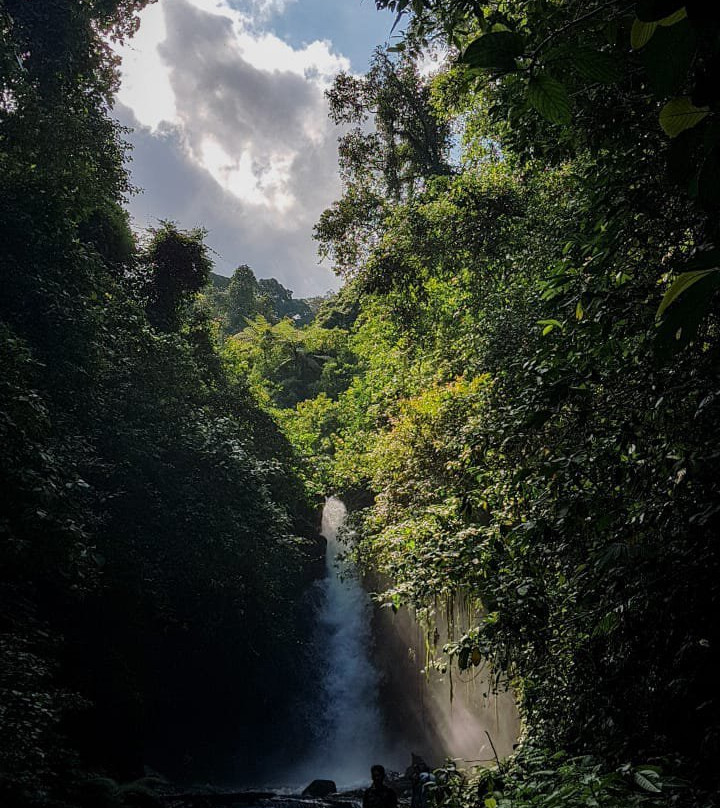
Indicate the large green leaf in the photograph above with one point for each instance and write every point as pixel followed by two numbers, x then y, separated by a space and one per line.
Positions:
pixel 589 62
pixel 642 778
pixel 496 50
pixel 681 284
pixel 680 114
pixel 641 33
pixel 668 56
pixel 656 10
pixel 595 65
pixel 679 323
pixel 550 98
pixel 674 18
pixel 549 325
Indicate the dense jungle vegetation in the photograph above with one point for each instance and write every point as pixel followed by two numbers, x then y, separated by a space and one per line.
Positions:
pixel 152 560
pixel 516 389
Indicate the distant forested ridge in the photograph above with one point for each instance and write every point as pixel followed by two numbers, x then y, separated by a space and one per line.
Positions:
pixel 151 553
pixel 242 296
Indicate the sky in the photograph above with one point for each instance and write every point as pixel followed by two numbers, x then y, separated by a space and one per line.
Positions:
pixel 230 129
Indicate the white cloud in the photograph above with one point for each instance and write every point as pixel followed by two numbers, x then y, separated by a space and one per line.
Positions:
pixel 266 8
pixel 244 109
pixel 246 103
pixel 256 184
pixel 145 86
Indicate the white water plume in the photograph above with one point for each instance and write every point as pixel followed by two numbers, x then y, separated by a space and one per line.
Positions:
pixel 349 725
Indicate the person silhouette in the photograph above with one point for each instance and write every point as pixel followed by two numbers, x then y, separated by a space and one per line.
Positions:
pixel 379 795
pixel 423 781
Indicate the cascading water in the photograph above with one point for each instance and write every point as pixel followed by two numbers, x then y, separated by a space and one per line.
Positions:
pixel 348 722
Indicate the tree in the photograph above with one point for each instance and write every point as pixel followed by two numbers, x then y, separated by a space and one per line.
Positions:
pixel 242 298
pixel 521 436
pixel 177 267
pixel 280 303
pixel 407 145
pixel 150 508
pixel 287 363
pixel 639 81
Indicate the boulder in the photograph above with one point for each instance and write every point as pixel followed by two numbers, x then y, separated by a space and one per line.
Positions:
pixel 320 788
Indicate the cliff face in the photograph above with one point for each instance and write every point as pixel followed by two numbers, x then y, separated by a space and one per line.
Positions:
pixel 434 713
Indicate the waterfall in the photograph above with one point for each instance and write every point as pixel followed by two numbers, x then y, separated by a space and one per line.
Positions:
pixel 346 717
pixel 348 724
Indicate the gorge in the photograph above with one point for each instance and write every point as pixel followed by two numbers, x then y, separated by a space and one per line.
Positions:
pixel 514 391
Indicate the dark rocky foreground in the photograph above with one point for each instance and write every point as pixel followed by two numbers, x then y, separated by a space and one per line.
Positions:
pixel 256 799
pixel 203 798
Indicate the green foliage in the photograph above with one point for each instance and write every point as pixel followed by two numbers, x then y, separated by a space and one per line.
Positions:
pixel 536 777
pixel 279 302
pixel 287 364
pixel 497 49
pixel 409 144
pixel 526 434
pixel 177 267
pixel 550 98
pixel 684 282
pixel 494 383
pixel 540 59
pixel 150 508
pixel 242 298
pixel 680 114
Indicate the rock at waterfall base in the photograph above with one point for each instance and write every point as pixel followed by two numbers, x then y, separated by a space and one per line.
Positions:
pixel 320 788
